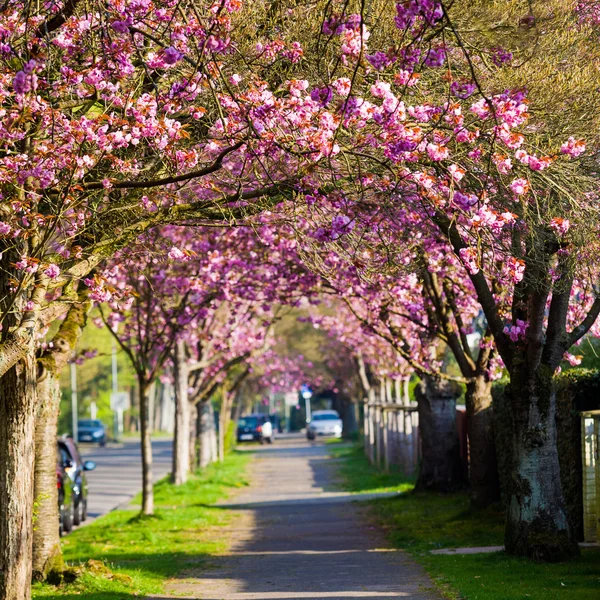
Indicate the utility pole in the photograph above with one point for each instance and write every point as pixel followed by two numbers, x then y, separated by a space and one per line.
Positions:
pixel 74 409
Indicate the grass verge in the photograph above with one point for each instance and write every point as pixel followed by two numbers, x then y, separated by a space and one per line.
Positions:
pixel 421 522
pixel 125 556
pixel 359 476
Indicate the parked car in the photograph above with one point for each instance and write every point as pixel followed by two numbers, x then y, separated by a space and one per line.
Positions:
pixel 91 430
pixel 76 468
pixel 256 428
pixel 66 508
pixel 324 422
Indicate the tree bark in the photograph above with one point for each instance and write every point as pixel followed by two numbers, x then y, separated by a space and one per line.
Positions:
pixel 441 466
pixel 206 435
pixel 47 555
pixel 181 454
pixel 537 523
pixel 193 437
pixel 147 485
pixel 17 435
pixel 483 465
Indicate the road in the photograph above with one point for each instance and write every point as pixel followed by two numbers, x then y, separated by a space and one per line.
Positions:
pixel 117 477
pixel 297 536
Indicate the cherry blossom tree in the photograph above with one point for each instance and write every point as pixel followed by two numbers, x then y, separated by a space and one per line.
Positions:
pixel 440 124
pixel 113 121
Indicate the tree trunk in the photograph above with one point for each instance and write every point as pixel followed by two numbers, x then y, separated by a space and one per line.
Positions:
pixel 441 466
pixel 206 434
pixel 17 435
pixel 181 441
pixel 221 436
pixel 47 555
pixel 483 465
pixel 193 438
pixel 537 524
pixel 147 487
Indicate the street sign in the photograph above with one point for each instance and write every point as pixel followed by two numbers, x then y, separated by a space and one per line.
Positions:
pixel 119 401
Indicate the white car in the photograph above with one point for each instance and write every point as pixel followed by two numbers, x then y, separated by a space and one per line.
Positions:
pixel 324 422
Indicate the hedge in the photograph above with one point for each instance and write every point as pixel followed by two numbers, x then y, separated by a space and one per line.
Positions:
pixel 577 390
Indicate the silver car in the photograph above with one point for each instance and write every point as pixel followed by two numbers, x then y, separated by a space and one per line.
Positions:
pixel 324 422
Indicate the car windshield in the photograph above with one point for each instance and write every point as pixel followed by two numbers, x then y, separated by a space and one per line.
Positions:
pixel 325 417
pixel 248 422
pixel 90 423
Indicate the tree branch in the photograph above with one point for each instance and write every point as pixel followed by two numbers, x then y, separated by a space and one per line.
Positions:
pixel 129 185
pixel 482 289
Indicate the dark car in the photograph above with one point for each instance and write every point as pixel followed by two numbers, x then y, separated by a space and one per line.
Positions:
pixel 76 468
pixel 255 428
pixel 66 506
pixel 91 430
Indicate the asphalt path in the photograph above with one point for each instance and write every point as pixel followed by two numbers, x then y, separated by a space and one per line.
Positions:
pixel 296 535
pixel 117 477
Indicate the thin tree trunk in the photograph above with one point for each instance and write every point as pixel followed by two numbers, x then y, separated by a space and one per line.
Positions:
pixel 206 437
pixel 47 555
pixel 147 486
pixel 194 435
pixel 181 453
pixel 17 459
pixel 441 466
pixel 483 465
pixel 221 439
pixel 537 523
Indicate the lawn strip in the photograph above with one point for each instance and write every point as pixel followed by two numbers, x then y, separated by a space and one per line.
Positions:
pixel 420 522
pixel 127 556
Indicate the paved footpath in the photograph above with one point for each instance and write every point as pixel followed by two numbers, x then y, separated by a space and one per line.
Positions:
pixel 297 538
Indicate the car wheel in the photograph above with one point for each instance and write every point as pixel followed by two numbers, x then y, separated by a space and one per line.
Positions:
pixel 61 518
pixel 102 443
pixel 78 513
pixel 68 518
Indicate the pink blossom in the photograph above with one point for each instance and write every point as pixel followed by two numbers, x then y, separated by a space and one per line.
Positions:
pixel 560 225
pixel 172 55
pixel 470 260
pixel 517 332
pixel 572 359
pixel 437 151
pixel 52 271
pixel 5 228
pixel 573 147
pixel 520 186
pixel 177 254
pixel 515 268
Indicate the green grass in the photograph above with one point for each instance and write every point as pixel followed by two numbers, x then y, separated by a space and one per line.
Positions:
pixel 358 476
pixel 128 556
pixel 419 522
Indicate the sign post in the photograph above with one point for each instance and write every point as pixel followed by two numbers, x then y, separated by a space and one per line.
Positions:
pixel 307 395
pixel 119 402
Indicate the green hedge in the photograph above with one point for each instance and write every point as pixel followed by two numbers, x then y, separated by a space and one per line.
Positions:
pixel 577 390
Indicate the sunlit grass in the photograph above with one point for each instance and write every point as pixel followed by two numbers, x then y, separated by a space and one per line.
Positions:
pixel 126 556
pixel 360 477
